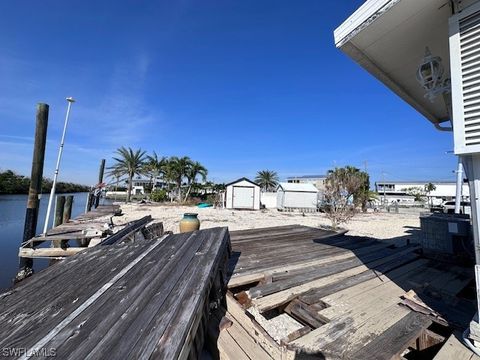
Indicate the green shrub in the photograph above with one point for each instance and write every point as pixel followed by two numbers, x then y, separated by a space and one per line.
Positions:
pixel 159 195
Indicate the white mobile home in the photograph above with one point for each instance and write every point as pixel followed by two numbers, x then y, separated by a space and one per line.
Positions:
pixel 242 194
pixel 296 196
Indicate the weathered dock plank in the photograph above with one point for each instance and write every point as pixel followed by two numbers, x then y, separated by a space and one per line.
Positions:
pixel 148 299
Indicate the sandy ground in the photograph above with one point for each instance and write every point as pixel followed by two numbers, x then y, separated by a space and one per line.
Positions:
pixel 377 225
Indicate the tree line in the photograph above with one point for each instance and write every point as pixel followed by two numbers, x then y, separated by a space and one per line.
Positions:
pixel 13 183
pixel 346 190
pixel 175 171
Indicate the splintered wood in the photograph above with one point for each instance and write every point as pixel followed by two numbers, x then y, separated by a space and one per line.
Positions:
pixel 336 296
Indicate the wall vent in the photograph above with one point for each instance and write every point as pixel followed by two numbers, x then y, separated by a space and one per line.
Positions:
pixel 465 73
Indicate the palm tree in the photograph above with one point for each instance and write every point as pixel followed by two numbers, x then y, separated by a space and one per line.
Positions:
pixel 267 179
pixel 130 163
pixel 176 170
pixel 195 169
pixel 154 167
pixel 428 189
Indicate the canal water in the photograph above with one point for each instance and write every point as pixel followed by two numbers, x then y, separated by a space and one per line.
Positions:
pixel 12 219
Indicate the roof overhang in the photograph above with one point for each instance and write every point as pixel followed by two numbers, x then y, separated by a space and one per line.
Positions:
pixel 388 39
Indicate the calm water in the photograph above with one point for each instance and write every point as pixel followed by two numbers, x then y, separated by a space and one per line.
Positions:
pixel 12 219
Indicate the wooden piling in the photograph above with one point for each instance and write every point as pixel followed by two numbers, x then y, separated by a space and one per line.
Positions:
pixel 67 211
pixel 60 206
pixel 101 171
pixel 58 220
pixel 90 200
pixel 31 216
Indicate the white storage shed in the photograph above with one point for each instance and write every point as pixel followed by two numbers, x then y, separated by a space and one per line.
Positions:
pixel 297 196
pixel 242 194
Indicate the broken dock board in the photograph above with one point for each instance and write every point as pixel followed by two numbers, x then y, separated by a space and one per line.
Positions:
pixel 344 294
pixel 147 299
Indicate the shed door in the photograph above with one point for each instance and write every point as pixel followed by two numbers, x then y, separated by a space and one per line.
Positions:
pixel 243 197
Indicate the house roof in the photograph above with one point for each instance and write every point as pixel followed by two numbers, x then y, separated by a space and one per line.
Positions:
pixel 242 179
pixel 297 187
pixel 388 39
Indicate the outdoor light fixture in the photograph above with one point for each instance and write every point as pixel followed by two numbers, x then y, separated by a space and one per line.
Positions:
pixel 429 75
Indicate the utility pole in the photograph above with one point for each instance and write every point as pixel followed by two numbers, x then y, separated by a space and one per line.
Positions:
pixel 31 216
pixel 55 177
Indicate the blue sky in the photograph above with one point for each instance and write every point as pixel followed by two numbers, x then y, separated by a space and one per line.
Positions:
pixel 240 86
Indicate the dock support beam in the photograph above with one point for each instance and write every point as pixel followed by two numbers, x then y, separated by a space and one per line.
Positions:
pixel 31 216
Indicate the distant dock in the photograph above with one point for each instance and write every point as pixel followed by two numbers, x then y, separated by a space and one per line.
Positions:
pixel 92 228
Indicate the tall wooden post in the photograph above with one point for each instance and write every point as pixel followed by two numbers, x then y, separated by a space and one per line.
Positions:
pixel 101 171
pixel 60 206
pixel 31 216
pixel 67 211
pixel 100 180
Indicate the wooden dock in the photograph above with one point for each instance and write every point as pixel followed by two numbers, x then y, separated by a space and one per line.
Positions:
pixel 290 292
pixel 147 299
pixel 296 292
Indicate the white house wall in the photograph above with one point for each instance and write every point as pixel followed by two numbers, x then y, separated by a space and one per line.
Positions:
pixel 448 190
pixel 441 190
